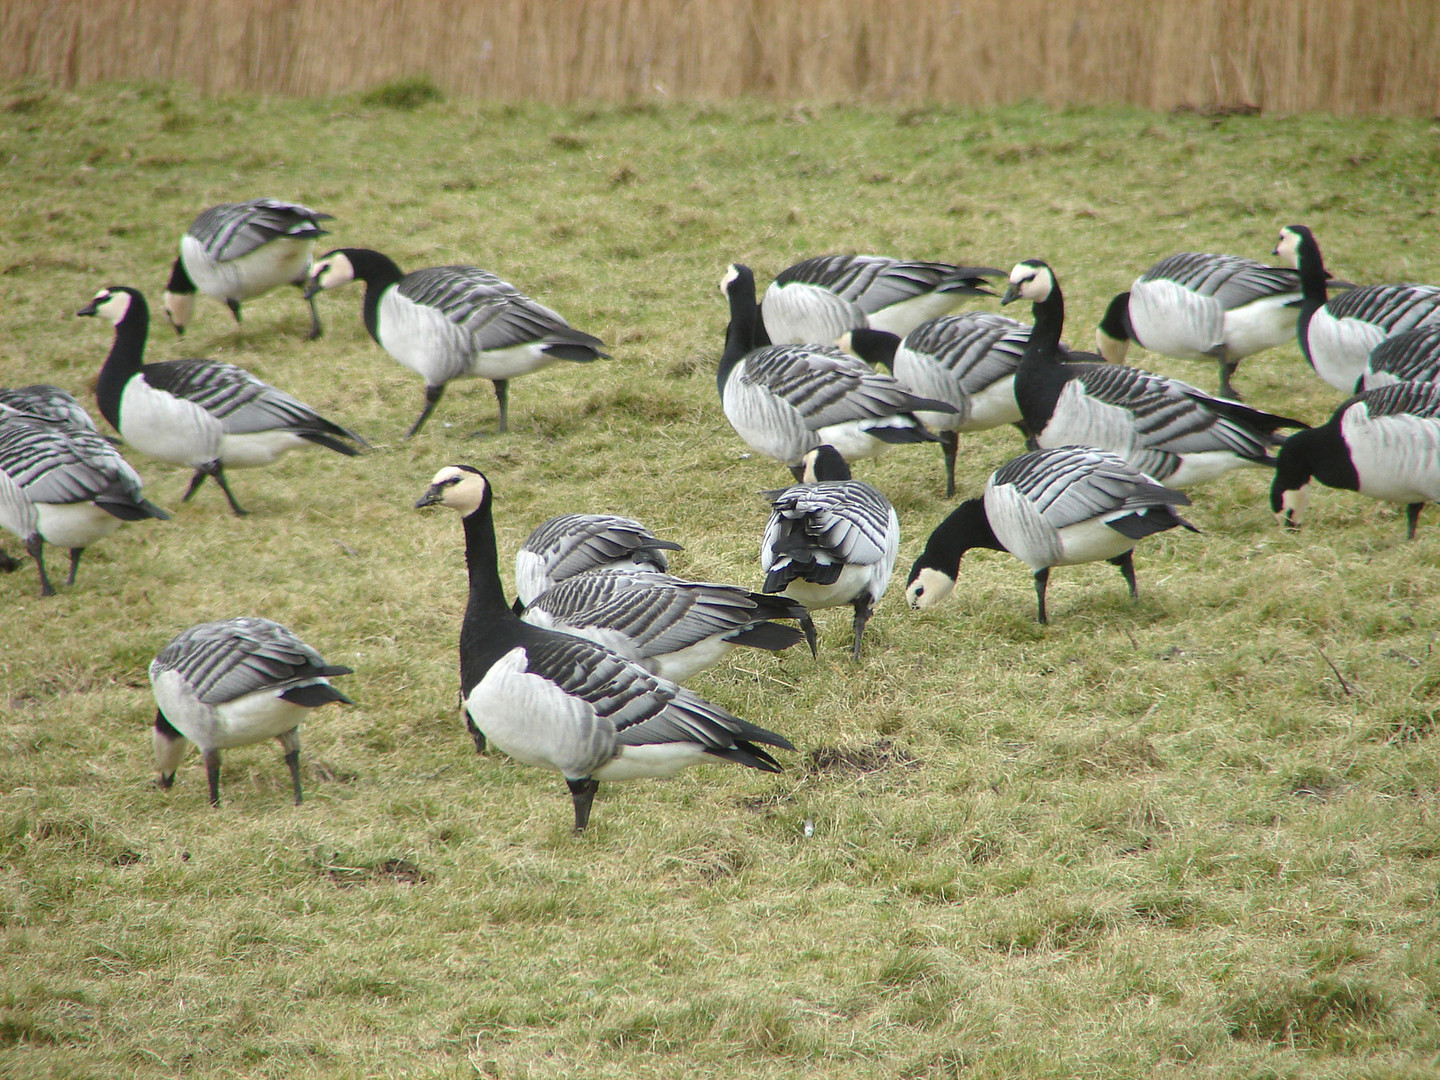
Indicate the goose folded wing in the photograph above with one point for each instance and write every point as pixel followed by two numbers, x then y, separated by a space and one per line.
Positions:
pixel 572 544
pixel 55 463
pixel 827 386
pixel 224 661
pixel 848 519
pixel 1232 280
pixel 1172 416
pixel 233 230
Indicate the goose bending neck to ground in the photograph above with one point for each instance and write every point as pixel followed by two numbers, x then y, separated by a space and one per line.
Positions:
pixel 1337 334
pixel 562 702
pixel 573 544
pixel 454 322
pixel 237 251
pixel 232 683
pixel 1195 305
pixel 1165 428
pixel 203 414
pixel 831 540
pixel 1384 443
pixel 785 400
pixel 64 484
pixel 1050 508
pixel 817 300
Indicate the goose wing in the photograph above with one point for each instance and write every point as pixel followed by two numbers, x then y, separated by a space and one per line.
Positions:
pixel 222 661
pixel 47 402
pixel 1411 356
pixel 242 403
pixel 231 230
pixel 846 521
pixel 57 463
pixel 827 386
pixel 978 348
pixel 873 282
pixel 492 312
pixel 1072 484
pixel 1391 308
pixel 1233 281
pixel 570 544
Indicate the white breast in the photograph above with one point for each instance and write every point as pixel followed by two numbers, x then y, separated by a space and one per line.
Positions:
pixel 168 428
pixel 75 525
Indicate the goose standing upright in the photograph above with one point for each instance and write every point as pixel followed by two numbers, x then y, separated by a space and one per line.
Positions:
pixel 454 322
pixel 65 485
pixel 565 703
pixel 831 540
pixel 1337 334
pixel 1409 356
pixel 815 301
pixel 203 414
pixel 1165 428
pixel 1195 305
pixel 237 251
pixel 232 683
pixel 573 544
pixel 1383 443
pixel 1050 508
pixel 785 400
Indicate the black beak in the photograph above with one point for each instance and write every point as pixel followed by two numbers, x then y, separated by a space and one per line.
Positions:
pixel 91 308
pixel 311 288
pixel 1011 293
pixel 430 498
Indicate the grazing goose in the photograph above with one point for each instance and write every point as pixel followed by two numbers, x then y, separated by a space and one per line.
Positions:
pixel 238 251
pixel 1384 443
pixel 671 627
pixel 1194 305
pixel 819 299
pixel 204 414
pixel 1337 334
pixel 562 702
pixel 65 485
pixel 1050 508
pixel 1410 356
pixel 232 683
pixel 785 400
pixel 577 543
pixel 454 322
pixel 967 361
pixel 1165 428
pixel 830 540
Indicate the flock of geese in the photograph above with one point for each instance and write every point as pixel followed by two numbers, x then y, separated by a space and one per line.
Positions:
pixel 582 674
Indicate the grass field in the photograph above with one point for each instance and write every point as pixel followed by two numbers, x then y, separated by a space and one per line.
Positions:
pixel 1192 837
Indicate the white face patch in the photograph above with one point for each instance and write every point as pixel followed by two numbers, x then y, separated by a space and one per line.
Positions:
pixel 929 589
pixel 1293 505
pixel 179 307
pixel 731 273
pixel 1033 283
pixel 112 306
pixel 459 489
pixel 1288 247
pixel 333 271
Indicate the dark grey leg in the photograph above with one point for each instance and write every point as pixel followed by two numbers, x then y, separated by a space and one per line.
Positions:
pixel 864 608
pixel 36 547
pixel 475 733
pixel 219 475
pixel 234 306
pixel 75 554
pixel 291 742
pixel 432 397
pixel 950 445
pixel 212 774
pixel 315 328
pixel 1042 579
pixel 502 395
pixel 1227 369
pixel 807 627
pixel 798 471
pixel 1126 563
pixel 195 482
pixel 1412 519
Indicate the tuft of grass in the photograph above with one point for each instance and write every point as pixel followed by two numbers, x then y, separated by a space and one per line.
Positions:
pixel 403 95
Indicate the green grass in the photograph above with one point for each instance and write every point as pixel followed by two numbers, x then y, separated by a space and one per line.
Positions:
pixel 1163 840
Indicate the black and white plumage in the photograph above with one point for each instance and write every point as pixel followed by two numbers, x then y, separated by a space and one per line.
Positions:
pixel 830 540
pixel 967 361
pixel 1410 356
pixel 573 544
pixel 1165 428
pixel 238 251
pixel 203 414
pixel 47 403
pixel 64 484
pixel 1337 334
pixel 1194 306
pixel 1383 443
pixel 815 301
pixel 671 627
pixel 785 400
pixel 561 702
pixel 232 683
pixel 1058 507
pixel 454 322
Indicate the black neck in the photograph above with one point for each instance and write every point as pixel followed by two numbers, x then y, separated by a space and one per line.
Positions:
pixel 126 359
pixel 487 594
pixel 1049 316
pixel 1116 323
pixel 378 272
pixel 875 346
pixel 967 527
pixel 744 315
pixel 180 282
pixel 1313 288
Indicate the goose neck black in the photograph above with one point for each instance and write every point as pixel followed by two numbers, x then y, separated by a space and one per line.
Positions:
pixel 967 527
pixel 1116 323
pixel 1044 343
pixel 379 272
pixel 180 282
pixel 1313 289
pixel 126 359
pixel 740 334
pixel 487 594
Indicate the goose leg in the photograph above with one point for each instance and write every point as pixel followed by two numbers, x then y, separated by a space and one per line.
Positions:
pixel 36 547
pixel 475 733
pixel 950 446
pixel 582 791
pixel 807 627
pixel 315 328
pixel 864 608
pixel 1227 369
pixel 502 395
pixel 195 482
pixel 432 398
pixel 212 774
pixel 75 554
pixel 234 306
pixel 1126 563
pixel 290 740
pixel 1412 518
pixel 219 475
pixel 1042 579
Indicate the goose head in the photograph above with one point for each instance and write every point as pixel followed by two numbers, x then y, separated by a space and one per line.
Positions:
pixel 1296 243
pixel 329 272
pixel 114 302
pixel 460 487
pixel 1030 280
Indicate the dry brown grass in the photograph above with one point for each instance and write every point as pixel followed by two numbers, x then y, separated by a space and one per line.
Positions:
pixel 1341 56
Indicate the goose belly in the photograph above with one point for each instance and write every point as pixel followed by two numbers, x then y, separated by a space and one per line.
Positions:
pixel 282 261
pixel 933 381
pixel 1090 541
pixel 1173 321
pixel 769 425
pixel 685 663
pixel 535 722
pixel 1202 467
pixel 1264 324
pixel 993 407
pixel 853 439
pixel 899 319
pixel 1340 348
pixel 510 363
pixel 423 339
pixel 1397 459
pixel 853 580
pixel 254 717
pixel 257 448
pixel 651 761
pixel 75 525
pixel 167 428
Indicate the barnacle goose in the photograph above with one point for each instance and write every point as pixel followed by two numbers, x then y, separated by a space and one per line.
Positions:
pixel 785 400
pixel 205 414
pixel 1060 507
pixel 671 627
pixel 1194 305
pixel 454 322
pixel 1384 443
pixel 573 544
pixel 1165 428
pixel 232 683
pixel 563 702
pixel 1337 333
pixel 238 251
pixel 1411 356
pixel 46 402
pixel 967 361
pixel 830 540
pixel 819 299
pixel 66 485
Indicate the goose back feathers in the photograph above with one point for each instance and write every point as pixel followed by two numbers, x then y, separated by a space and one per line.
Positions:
pixel 572 544
pixel 1410 356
